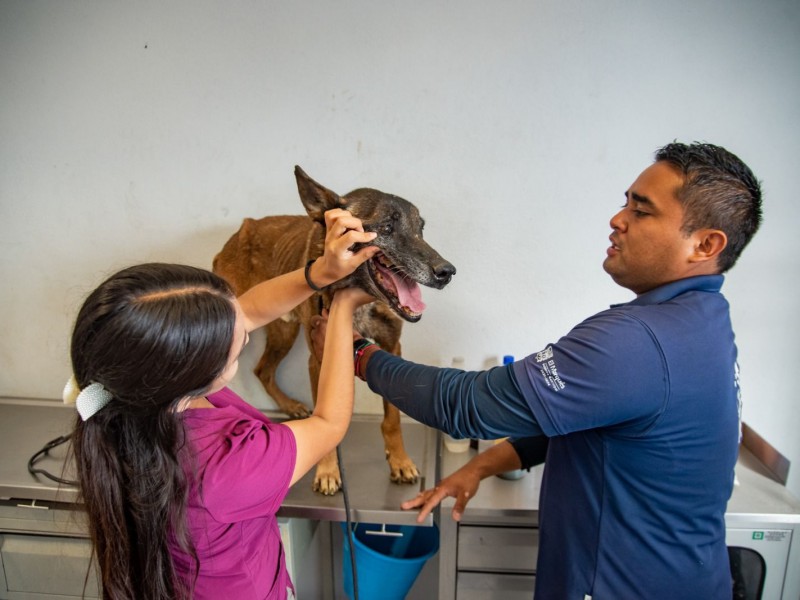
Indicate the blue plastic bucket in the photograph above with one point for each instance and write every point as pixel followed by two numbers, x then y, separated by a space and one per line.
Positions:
pixel 387 565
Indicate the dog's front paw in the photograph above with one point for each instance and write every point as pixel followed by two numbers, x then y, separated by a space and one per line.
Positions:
pixel 402 470
pixel 295 409
pixel 327 481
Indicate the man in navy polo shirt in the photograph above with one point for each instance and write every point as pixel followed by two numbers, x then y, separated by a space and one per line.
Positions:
pixel 639 404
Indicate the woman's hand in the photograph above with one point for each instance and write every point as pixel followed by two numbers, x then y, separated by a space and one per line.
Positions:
pixel 343 232
pixel 352 297
pixel 348 297
pixel 274 297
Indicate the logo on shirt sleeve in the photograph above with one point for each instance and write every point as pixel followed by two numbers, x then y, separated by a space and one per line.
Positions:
pixel 545 354
pixel 548 369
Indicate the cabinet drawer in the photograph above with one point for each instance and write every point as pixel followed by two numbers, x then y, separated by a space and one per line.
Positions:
pixel 494 586
pixel 44 565
pixel 498 549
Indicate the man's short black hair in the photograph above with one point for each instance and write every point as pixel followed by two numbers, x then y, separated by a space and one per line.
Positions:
pixel 719 192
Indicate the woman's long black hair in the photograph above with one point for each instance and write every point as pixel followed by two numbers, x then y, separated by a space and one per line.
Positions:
pixel 152 335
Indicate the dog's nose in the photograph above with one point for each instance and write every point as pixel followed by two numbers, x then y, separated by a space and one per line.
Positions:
pixel 443 273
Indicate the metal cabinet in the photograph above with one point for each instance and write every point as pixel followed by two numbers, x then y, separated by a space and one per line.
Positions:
pixel 495 563
pixel 491 553
pixel 492 586
pixel 44 553
pixel 497 549
pixel 46 567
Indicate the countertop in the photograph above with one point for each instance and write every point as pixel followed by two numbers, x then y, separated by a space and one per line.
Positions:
pixel 756 497
pixel 26 425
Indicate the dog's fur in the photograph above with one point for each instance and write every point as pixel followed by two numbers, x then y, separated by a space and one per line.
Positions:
pixel 268 247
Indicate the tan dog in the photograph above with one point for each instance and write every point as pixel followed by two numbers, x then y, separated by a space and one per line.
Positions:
pixel 267 247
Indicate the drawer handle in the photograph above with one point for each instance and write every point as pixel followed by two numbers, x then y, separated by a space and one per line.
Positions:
pixel 33 505
pixel 382 531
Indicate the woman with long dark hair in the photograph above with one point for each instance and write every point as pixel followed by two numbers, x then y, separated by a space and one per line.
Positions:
pixel 181 478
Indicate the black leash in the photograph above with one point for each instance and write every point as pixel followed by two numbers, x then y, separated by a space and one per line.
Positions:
pixel 44 451
pixel 349 534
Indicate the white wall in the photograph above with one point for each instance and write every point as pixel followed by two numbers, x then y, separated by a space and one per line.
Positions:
pixel 147 131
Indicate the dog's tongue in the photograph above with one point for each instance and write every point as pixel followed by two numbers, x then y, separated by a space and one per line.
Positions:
pixel 407 290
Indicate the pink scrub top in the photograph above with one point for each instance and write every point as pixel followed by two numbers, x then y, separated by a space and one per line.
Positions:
pixel 240 464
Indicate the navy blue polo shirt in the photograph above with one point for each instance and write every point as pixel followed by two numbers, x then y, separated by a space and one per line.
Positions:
pixel 641 405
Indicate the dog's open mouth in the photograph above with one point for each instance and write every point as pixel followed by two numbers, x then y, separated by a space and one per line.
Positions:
pixel 402 293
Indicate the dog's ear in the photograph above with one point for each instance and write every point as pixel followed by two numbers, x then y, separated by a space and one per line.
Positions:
pixel 316 198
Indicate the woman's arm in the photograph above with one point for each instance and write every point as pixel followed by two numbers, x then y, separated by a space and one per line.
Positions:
pixel 275 297
pixel 325 428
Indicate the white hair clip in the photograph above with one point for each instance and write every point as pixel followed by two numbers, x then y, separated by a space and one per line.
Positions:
pixel 71 391
pixel 88 400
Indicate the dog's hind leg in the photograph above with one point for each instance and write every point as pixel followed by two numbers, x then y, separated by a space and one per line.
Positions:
pixel 281 335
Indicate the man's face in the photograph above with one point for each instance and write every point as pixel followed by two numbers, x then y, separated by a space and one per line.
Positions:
pixel 648 248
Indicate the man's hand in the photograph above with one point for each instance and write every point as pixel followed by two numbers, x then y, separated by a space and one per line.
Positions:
pixel 461 485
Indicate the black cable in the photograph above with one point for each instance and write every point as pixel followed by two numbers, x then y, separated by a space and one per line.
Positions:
pixel 350 536
pixel 44 451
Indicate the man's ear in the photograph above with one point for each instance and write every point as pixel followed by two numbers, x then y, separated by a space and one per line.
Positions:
pixel 709 243
pixel 316 198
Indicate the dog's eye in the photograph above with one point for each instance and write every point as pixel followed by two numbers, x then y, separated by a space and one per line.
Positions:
pixel 386 229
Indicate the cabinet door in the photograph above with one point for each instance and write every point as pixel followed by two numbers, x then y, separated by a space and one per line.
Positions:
pixel 498 549
pixel 46 567
pixel 494 586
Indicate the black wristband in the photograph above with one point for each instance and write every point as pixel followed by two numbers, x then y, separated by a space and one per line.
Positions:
pixel 310 283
